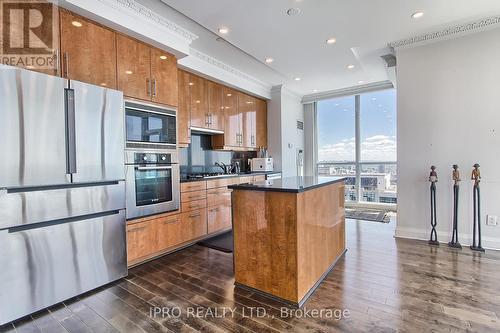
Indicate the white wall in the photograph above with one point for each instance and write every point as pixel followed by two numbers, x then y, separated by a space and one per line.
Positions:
pixel 449 112
pixel 284 139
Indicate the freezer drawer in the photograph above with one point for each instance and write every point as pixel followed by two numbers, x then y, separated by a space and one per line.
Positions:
pixel 23 206
pixel 52 263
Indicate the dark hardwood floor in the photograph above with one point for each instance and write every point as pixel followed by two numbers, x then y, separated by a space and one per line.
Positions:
pixel 386 285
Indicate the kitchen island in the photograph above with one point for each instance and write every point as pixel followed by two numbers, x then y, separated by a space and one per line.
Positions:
pixel 288 234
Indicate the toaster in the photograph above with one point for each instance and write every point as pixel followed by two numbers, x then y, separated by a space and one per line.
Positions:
pixel 261 164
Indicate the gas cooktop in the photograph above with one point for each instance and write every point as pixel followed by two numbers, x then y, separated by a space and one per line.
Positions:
pixel 204 175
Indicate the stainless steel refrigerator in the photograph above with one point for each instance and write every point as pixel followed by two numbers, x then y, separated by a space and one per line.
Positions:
pixel 62 190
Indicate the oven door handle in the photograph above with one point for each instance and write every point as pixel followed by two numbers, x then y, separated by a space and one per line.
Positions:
pixel 154 168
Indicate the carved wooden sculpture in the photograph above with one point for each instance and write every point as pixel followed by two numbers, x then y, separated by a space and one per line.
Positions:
pixel 476 177
pixel 433 178
pixel 456 186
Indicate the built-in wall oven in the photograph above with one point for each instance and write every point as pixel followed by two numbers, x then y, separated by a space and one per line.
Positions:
pixel 150 127
pixel 151 159
pixel 153 182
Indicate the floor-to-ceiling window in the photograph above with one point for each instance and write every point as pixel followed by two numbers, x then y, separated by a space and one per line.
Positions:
pixel 357 139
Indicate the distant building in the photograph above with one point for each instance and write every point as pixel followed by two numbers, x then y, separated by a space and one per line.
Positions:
pixel 376 185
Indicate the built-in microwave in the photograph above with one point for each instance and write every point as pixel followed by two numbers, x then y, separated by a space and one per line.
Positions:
pixel 149 126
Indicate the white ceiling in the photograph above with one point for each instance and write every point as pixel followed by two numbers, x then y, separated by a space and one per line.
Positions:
pixel 363 28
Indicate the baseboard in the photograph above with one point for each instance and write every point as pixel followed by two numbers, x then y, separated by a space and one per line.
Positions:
pixel 444 237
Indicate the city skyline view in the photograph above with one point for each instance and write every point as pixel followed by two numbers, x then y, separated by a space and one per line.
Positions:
pixel 336 128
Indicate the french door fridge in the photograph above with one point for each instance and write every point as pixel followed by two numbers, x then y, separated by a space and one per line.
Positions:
pixel 62 190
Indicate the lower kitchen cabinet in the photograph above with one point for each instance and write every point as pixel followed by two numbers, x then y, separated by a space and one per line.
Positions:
pixel 219 217
pixel 141 240
pixel 194 224
pixel 169 232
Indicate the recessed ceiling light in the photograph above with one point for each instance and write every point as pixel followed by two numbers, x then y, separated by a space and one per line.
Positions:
pixel 374 98
pixel 104 84
pixel 191 83
pixel 269 60
pixel 198 101
pixel 229 95
pixel 350 66
pixel 297 78
pixel 223 30
pixel 163 57
pixel 331 40
pixel 293 11
pixel 315 90
pixel 417 15
pixel 77 24
pixel 129 72
pixel 361 82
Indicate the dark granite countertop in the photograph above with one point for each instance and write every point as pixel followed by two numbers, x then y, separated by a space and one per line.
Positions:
pixel 289 184
pixel 186 180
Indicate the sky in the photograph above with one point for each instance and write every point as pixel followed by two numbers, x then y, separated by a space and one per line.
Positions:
pixel 336 128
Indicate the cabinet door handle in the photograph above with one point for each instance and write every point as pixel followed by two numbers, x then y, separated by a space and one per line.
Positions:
pixel 66 64
pixel 170 221
pixel 136 229
pixel 153 83
pixel 215 210
pixel 195 215
pixel 148 87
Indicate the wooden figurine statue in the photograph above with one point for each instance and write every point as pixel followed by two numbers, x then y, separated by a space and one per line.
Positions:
pixel 476 177
pixel 456 180
pixel 433 178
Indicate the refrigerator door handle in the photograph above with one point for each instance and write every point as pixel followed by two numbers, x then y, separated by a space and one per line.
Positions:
pixel 69 106
pixel 33 226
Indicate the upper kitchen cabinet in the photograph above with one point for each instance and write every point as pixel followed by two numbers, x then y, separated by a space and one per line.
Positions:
pixel 233 123
pixel 134 67
pixel 247 105
pixel 261 123
pixel 88 51
pixel 198 101
pixel 184 110
pixel 215 107
pixel 145 72
pixel 164 77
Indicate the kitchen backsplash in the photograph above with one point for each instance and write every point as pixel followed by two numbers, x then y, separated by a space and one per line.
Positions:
pixel 199 156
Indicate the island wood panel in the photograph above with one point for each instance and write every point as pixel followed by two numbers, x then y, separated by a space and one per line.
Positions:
pixel 134 67
pixel 88 51
pixel 320 233
pixel 164 77
pixel 265 240
pixel 184 110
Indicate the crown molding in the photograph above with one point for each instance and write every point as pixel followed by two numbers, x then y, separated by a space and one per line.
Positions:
pixel 227 68
pixel 147 14
pixel 347 91
pixel 452 32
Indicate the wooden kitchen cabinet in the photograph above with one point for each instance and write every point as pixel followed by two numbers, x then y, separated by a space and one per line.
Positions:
pixel 247 105
pixel 261 123
pixel 141 240
pixel 164 77
pixel 88 51
pixel 169 231
pixel 219 217
pixel 215 107
pixel 198 101
pixel 233 122
pixel 145 72
pixel 134 67
pixel 194 224
pixel 183 110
